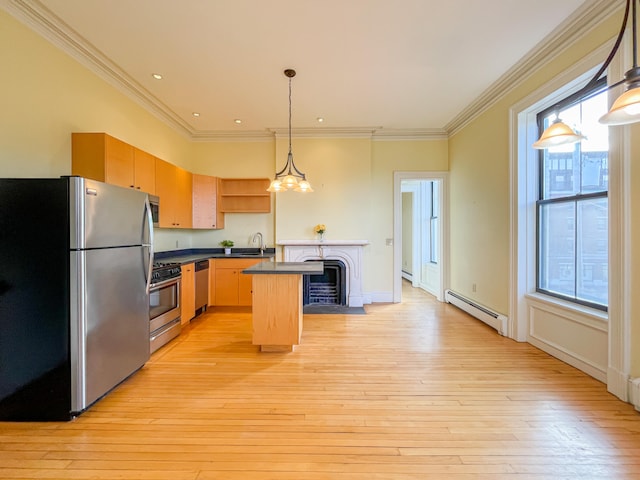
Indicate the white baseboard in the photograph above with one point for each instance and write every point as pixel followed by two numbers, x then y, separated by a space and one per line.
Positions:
pixel 634 392
pixel 378 297
pixel 618 384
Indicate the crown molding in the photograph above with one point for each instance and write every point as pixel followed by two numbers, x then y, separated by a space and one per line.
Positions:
pixel 41 20
pixel 354 132
pixel 578 25
pixel 44 22
pixel 47 24
pixel 382 134
pixel 232 136
pixel 375 133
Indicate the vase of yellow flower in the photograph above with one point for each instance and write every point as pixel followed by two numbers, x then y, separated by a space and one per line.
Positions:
pixel 320 229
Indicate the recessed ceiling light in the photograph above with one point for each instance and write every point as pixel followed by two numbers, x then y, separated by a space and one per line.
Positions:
pixel 237 121
pixel 157 76
pixel 196 114
pixel 320 119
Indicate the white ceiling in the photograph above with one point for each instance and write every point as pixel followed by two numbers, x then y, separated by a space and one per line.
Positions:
pixel 391 64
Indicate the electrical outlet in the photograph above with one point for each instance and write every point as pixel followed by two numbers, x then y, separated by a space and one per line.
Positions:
pixel 389 242
pixel 176 243
pixel 473 287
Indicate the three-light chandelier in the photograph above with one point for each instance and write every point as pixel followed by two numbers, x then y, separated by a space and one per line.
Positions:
pixel 290 178
pixel 626 108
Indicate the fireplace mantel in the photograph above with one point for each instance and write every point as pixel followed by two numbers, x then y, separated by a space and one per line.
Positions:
pixel 285 243
pixel 348 251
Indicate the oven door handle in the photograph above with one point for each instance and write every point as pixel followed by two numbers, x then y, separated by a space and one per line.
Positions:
pixel 165 283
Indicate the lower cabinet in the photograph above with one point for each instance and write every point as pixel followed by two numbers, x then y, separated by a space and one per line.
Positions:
pixel 212 282
pixel 228 286
pixel 188 293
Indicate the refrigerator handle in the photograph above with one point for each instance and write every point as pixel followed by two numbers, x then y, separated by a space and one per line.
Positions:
pixel 147 239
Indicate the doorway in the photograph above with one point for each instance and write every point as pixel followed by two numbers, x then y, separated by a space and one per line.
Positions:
pixel 420 232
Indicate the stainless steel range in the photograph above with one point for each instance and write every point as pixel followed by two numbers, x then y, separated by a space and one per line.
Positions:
pixel 164 304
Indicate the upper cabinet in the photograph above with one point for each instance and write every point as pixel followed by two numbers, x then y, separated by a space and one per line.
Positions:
pixel 245 195
pixel 104 158
pixel 144 171
pixel 186 200
pixel 206 213
pixel 173 186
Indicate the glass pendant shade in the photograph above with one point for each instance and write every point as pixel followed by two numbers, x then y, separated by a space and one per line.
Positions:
pixel 626 109
pixel 558 133
pixel 303 186
pixel 276 186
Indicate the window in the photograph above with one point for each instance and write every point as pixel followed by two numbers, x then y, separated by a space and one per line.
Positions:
pixel 573 206
pixel 433 223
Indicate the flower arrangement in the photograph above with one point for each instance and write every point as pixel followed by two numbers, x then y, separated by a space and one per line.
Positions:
pixel 320 228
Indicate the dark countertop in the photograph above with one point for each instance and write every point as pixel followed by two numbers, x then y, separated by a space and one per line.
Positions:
pixel 286 268
pixel 191 255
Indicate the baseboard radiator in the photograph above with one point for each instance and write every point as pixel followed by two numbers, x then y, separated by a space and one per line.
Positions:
pixel 491 318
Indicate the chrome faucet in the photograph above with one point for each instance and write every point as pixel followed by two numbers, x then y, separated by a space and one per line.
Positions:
pixel 258 235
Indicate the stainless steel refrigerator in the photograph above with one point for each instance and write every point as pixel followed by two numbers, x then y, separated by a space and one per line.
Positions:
pixel 75 266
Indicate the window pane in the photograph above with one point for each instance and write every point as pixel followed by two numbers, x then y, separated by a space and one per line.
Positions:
pixel 557 231
pixel 561 173
pixel 434 223
pixel 597 134
pixel 592 251
pixel 433 253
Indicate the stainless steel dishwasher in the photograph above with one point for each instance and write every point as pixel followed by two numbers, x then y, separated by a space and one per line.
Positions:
pixel 202 284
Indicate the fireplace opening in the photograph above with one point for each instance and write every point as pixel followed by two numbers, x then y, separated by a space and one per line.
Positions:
pixel 329 288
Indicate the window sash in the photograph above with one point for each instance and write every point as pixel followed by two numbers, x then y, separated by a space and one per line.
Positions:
pixel 572 211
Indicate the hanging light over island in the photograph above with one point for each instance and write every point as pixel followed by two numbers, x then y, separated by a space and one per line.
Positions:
pixel 290 178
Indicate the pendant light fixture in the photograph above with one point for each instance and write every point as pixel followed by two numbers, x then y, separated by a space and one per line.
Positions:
pixel 558 133
pixel 290 178
pixel 626 109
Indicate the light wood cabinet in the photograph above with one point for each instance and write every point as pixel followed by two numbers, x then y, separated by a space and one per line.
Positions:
pixel 277 311
pixel 245 195
pixel 231 286
pixel 206 212
pixel 187 293
pixel 227 286
pixel 105 158
pixel 212 282
pixel 144 168
pixel 186 200
pixel 173 186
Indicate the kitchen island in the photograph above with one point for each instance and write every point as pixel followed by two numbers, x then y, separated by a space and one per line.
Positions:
pixel 277 303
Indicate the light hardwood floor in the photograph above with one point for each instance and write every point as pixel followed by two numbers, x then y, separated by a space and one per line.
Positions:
pixel 417 390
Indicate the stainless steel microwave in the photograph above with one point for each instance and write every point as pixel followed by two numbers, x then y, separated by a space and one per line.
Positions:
pixel 155 209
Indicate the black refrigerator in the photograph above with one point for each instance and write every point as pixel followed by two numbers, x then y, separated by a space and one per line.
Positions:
pixel 75 266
